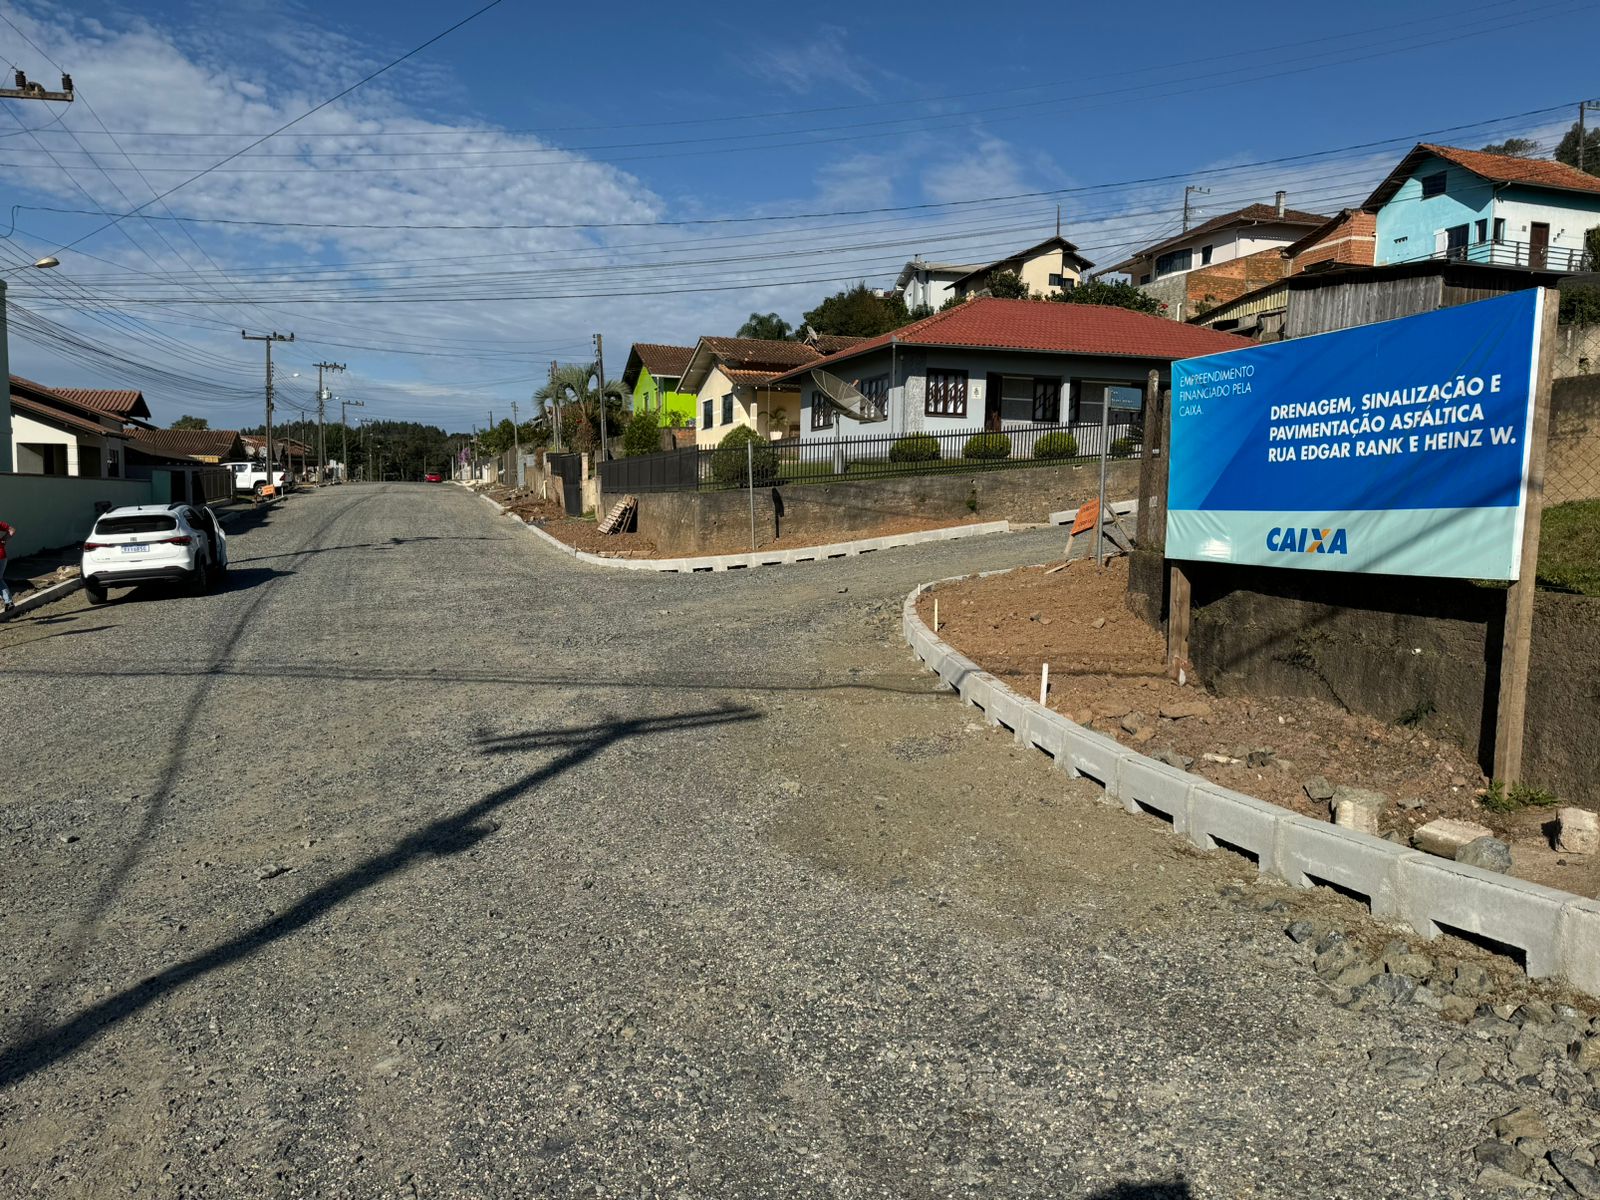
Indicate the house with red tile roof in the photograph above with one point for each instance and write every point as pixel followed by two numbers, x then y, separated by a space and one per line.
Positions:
pixel 731 380
pixel 999 364
pixel 651 377
pixel 126 404
pixel 54 434
pixel 1496 209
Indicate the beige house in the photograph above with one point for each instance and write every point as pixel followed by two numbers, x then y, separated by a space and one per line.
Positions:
pixel 1051 267
pixel 54 435
pixel 730 379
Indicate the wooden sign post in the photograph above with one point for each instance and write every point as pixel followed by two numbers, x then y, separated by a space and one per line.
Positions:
pixel 1511 712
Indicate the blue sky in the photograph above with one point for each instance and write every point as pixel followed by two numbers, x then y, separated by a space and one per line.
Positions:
pixel 577 141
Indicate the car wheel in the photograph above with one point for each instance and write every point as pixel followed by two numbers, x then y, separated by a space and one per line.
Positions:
pixel 199 578
pixel 257 490
pixel 97 595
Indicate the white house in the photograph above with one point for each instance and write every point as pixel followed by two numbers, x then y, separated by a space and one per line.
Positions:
pixel 930 284
pixel 54 435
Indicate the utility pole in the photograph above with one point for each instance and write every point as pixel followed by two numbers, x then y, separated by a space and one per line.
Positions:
pixel 267 339
pixel 26 90
pixel 344 433
pixel 1194 188
pixel 555 401
pixel 322 441
pixel 516 446
pixel 600 375
pixel 1583 108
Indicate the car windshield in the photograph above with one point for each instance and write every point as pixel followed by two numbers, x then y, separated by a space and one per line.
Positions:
pixel 136 523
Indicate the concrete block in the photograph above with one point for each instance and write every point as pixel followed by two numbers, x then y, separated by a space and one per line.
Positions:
pixel 1218 814
pixel 1044 729
pixel 1309 850
pixel 955 670
pixel 1098 757
pixel 1147 783
pixel 1005 706
pixel 1578 945
pixel 977 689
pixel 1579 831
pixel 1445 836
pixel 1358 809
pixel 1434 892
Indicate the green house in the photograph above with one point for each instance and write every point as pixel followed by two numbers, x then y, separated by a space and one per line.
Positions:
pixel 652 376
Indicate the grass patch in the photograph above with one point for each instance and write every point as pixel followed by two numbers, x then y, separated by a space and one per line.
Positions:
pixel 1519 796
pixel 1569 547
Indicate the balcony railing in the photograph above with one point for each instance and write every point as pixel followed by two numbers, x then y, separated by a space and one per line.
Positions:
pixel 1518 254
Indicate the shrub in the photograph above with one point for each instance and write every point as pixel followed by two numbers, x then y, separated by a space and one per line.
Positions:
pixel 731 468
pixel 914 448
pixel 1124 447
pixel 987 445
pixel 643 435
pixel 1056 445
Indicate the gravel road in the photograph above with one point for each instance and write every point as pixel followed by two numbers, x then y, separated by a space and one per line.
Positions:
pixel 423 861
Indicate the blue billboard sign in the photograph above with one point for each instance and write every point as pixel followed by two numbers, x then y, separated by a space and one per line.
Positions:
pixel 1399 448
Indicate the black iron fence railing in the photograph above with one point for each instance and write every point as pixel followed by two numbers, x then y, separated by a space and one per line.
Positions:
pixel 821 459
pixel 1518 254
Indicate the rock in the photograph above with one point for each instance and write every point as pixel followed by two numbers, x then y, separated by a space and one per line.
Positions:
pixel 1579 1175
pixel 1329 940
pixel 1585 1053
pixel 1456 1008
pixel 1427 998
pixel 1471 980
pixel 1458 781
pixel 1408 1068
pixel 1133 722
pixel 1411 803
pixel 1458 1067
pixel 1505 1156
pixel 1358 808
pixel 1174 759
pixel 1488 853
pixel 1339 958
pixel 271 871
pixel 1579 831
pixel 1099 622
pixel 1386 989
pixel 1520 1123
pixel 1445 836
pixel 1144 734
pixel 1261 756
pixel 1111 709
pixel 1301 931
pixel 1534 1012
pixel 1318 788
pixel 1184 709
pixel 1221 759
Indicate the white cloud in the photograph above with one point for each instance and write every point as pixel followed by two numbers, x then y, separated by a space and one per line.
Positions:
pixel 821 63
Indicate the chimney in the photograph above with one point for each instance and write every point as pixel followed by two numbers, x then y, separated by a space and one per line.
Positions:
pixel 1279 199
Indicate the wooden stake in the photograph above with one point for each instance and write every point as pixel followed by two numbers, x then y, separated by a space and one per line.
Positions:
pixel 936 615
pixel 1178 621
pixel 1044 682
pixel 1511 712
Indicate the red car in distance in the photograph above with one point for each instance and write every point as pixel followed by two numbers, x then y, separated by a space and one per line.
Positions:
pixel 433 477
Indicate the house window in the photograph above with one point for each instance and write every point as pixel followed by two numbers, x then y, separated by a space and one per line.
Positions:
pixel 1433 185
pixel 1174 260
pixel 1205 256
pixel 947 394
pixel 1455 241
pixel 705 416
pixel 727 409
pixel 876 392
pixel 1055 281
pixel 1143 279
pixel 1499 230
pixel 821 412
pixel 1047 400
pixel 1481 232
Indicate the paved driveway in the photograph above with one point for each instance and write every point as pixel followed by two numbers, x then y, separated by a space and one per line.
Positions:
pixel 423 861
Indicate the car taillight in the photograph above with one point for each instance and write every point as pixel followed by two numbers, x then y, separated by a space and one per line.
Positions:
pixel 177 541
pixel 94 545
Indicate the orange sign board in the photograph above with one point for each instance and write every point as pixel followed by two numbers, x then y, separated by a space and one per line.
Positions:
pixel 269 490
pixel 1088 517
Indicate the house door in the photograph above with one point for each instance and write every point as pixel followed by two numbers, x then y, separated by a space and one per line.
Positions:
pixel 1538 245
pixel 993 394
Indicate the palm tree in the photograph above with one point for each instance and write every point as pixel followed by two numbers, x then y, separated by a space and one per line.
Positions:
pixel 576 402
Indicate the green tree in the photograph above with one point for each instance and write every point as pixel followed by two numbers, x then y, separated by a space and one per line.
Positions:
pixel 1517 147
pixel 1114 295
pixel 1567 149
pixel 572 392
pixel 857 312
pixel 767 326
pixel 1006 285
pixel 188 422
pixel 643 435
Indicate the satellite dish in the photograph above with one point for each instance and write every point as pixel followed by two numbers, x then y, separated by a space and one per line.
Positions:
pixel 847 398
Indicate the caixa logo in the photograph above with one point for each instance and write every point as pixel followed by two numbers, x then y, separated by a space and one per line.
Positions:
pixel 1288 540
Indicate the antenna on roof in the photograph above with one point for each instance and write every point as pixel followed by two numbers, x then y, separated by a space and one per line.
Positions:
pixel 1058 220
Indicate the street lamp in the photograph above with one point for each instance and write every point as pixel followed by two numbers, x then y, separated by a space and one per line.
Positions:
pixel 7 454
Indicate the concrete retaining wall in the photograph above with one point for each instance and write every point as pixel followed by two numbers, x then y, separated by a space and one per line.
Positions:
pixel 694 523
pixel 1556 933
pixel 58 510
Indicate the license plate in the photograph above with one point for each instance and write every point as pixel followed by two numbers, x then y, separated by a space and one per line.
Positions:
pixel 135 547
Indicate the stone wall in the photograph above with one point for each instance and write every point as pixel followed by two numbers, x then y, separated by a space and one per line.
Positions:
pixel 689 523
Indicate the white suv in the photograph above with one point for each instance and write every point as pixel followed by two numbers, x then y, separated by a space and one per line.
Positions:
pixel 154 543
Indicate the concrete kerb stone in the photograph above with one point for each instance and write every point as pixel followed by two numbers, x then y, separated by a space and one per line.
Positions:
pixel 769 558
pixel 1558 933
pixel 49 595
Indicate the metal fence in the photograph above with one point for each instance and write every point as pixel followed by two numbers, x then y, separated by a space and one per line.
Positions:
pixel 885 456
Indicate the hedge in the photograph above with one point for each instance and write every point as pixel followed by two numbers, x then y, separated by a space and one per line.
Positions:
pixel 1056 445
pixel 730 466
pixel 916 447
pixel 987 445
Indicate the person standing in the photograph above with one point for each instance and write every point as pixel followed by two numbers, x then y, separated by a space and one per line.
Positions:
pixel 6 534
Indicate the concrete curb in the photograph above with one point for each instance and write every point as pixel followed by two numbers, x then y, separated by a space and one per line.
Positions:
pixel 1557 933
pixel 771 558
pixel 49 595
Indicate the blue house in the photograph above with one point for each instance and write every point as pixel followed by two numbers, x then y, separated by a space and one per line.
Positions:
pixel 1442 202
